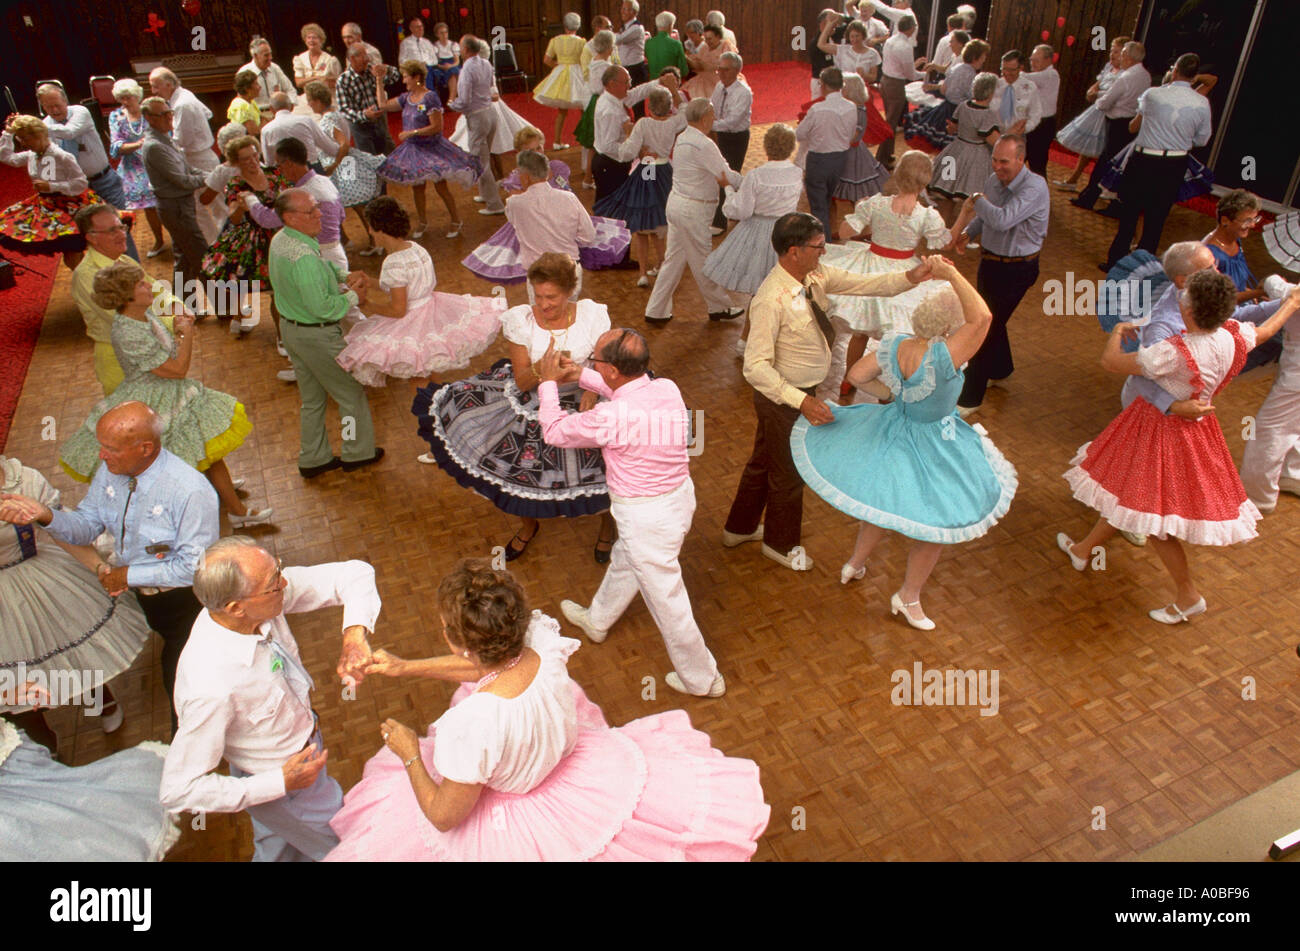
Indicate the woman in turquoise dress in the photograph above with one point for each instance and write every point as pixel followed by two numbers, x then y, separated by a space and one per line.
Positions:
pixel 912 466
pixel 201 425
pixel 126 127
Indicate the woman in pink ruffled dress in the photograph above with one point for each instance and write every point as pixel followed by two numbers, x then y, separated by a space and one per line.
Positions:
pixel 420 332
pixel 523 767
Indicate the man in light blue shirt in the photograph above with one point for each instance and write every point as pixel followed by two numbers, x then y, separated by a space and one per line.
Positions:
pixel 1171 120
pixel 474 101
pixel 1011 220
pixel 160 512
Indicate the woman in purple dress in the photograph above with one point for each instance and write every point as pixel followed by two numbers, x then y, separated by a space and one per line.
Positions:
pixel 424 154
pixel 126 127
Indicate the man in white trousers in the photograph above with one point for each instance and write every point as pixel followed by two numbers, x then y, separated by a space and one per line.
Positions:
pixel 642 430
pixel 698 169
pixel 1271 462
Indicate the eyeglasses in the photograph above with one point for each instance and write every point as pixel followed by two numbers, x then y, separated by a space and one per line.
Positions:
pixel 277 581
pixel 119 228
pixel 313 210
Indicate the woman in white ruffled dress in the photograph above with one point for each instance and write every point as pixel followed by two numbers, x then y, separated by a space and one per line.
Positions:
pixel 896 225
pixel 419 332
pixel 55 618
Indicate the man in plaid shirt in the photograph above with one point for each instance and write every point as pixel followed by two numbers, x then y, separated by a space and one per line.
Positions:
pixel 356 100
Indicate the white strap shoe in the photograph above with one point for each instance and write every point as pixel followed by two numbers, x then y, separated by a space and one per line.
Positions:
pixel 1173 614
pixel 898 606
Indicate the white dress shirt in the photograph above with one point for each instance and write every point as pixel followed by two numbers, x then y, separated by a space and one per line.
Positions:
pixel 655 135
pixel 56 167
pixel 769 191
pixel 596 75
pixel 1120 101
pixel 83 140
pixel 943 54
pixel 191 130
pixel 829 126
pixel 609 118
pixel 247 697
pixel 891 13
pixel 732 106
pixel 630 43
pixel 1048 82
pixel 1175 118
pixel 547 218
pixel 289 125
pixel 697 163
pixel 270 80
pixel 417 47
pixel 1025 104
pixel 477 84
pixel 899 61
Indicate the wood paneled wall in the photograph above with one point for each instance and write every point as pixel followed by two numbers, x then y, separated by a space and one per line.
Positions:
pixel 1019 24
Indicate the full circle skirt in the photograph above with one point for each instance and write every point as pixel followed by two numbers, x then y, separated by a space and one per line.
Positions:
pixel 443 332
pixel 745 257
pixel 497 258
pixel 430 159
pixel 641 199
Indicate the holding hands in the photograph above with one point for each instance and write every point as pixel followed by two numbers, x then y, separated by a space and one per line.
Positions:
pixel 20 510
pixel 355 660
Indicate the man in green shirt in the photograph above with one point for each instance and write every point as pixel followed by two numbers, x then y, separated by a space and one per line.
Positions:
pixel 311 306
pixel 662 50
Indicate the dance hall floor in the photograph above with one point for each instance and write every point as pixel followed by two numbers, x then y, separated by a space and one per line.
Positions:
pixel 1099 707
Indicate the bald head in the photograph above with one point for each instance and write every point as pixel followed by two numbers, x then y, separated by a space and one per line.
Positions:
pixel 130 438
pixel 624 352
pixel 134 419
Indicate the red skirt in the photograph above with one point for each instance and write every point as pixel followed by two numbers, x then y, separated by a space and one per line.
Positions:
pixel 878 129
pixel 42 223
pixel 1162 475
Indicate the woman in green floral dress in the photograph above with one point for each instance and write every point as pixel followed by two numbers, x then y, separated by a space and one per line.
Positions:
pixel 240 251
pixel 200 425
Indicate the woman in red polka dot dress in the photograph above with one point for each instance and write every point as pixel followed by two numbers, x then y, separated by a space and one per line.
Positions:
pixel 1163 476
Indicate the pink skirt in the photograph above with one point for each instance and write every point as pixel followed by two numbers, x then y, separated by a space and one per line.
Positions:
pixel 653 790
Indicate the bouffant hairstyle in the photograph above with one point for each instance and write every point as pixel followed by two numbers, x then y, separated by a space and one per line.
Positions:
pixel 984 86
pixel 660 101
pixel 414 67
pixel 938 315
pixel 525 134
pixel 778 142
pixel 318 91
pixel 913 172
pixel 1212 297
pixel 973 51
pixel 484 610
pixel 114 286
pixel 28 128
pixel 237 145
pixel 386 216
pixel 554 268
pixel 1234 203
pixel 245 80
pixel 312 29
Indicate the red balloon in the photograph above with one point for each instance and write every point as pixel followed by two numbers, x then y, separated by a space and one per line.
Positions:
pixel 464 11
pixel 1056 57
pixel 424 12
pixel 1046 36
pixel 1069 41
pixel 190 7
pixel 1060 21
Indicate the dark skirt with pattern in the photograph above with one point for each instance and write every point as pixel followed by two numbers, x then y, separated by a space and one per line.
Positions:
pixel 485 434
pixel 641 199
pixel 42 223
pixel 931 124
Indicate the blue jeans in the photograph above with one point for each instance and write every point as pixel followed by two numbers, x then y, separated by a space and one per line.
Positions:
pixel 108 186
pixel 296 827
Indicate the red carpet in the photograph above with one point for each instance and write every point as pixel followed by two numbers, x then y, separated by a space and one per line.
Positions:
pixel 22 307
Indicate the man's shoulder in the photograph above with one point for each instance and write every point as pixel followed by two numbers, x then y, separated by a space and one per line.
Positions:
pixel 179 472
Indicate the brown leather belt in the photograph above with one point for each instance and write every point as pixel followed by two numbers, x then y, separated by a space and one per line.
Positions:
pixel 989 255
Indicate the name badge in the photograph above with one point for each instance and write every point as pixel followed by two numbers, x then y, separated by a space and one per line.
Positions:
pixel 26 541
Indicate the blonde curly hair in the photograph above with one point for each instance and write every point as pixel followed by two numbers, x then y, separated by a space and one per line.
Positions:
pixel 938 315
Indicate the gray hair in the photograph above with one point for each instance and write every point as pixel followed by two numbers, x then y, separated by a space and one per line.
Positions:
pixel 1135 50
pixel 148 105
pixel 166 75
pixel 257 43
pixel 281 100
pixel 603 41
pixel 855 89
pixel 611 75
pixel 696 108
pixel 938 315
pixel 1180 258
pixel 127 87
pixel 715 18
pixel 352 28
pixel 219 578
pixel 473 45
pixel 1044 49
pixel 284 200
pixel 665 21
pixel 228 133
pixel 636 7
pixel 694 26
pixel 572 21
pixel 984 86
pixel 358 49
pixel 732 59
pixel 45 89
pixel 660 101
pixel 535 164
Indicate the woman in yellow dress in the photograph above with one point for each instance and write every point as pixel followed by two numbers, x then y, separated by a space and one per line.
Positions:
pixel 564 88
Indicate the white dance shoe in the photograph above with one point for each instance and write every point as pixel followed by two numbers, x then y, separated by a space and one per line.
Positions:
pixel 580 617
pixel 1174 615
pixel 1064 542
pixel 795 559
pixel 716 689
pixel 732 539
pixel 898 606
pixel 849 573
pixel 252 517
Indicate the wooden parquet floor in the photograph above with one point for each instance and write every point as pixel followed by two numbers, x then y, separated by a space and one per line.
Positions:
pixel 1100 707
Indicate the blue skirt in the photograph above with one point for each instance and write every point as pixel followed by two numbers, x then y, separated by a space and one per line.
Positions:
pixel 641 199
pixel 931 124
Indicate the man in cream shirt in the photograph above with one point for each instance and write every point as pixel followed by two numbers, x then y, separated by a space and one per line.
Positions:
pixel 243 694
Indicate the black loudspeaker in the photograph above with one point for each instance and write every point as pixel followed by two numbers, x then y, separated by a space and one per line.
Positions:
pixel 6 275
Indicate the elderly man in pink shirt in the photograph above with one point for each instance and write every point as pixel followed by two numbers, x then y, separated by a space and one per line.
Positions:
pixel 641 429
pixel 546 218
